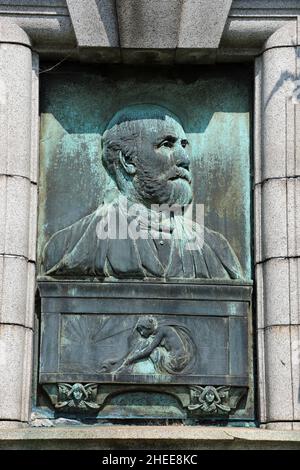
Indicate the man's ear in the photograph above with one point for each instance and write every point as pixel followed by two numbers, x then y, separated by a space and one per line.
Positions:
pixel 127 163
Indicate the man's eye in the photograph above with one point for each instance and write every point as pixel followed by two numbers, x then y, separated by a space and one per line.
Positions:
pixel 167 143
pixel 184 143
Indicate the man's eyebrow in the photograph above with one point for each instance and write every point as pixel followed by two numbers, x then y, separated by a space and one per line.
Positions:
pixel 169 137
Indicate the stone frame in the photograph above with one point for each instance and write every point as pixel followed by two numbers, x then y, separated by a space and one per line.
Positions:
pixel 274 46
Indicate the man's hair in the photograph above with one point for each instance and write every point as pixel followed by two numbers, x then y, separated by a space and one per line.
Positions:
pixel 123 130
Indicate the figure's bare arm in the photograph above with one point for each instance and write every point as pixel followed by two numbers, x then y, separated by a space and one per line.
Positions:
pixel 132 357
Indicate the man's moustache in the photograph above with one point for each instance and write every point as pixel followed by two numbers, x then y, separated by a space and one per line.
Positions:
pixel 179 172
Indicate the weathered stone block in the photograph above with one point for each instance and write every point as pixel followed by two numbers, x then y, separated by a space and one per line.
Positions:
pixel 149 23
pixel 13 288
pixel 95 22
pixel 258 223
pixel 3 195
pixel 260 312
pixel 12 425
pixel 257 121
pixel 17 287
pixel 30 295
pixel 274 219
pixel 278 292
pixel 15 105
pixel 261 373
pixel 294 287
pixel 292 132
pixel 293 216
pixel 284 36
pixel 283 426
pixel 202 23
pixel 278 89
pixel 15 372
pixel 35 122
pixel 278 373
pixel 32 238
pixel 16 217
pixel 12 33
pixel 295 352
pixel 277 218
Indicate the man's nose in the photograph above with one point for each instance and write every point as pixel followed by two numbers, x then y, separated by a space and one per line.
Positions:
pixel 181 158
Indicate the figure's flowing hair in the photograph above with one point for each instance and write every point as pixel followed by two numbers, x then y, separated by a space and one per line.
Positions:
pixel 178 364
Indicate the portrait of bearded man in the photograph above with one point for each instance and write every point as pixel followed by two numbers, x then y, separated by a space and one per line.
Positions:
pixel 145 153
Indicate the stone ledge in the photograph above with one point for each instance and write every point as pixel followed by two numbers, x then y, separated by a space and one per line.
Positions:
pixel 286 36
pixel 147 437
pixel 12 33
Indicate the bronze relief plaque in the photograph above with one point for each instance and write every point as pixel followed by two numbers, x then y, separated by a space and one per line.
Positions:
pixel 144 243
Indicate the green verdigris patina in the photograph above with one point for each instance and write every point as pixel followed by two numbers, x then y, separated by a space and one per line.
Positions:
pixel 142 232
pixel 162 309
pixel 214 110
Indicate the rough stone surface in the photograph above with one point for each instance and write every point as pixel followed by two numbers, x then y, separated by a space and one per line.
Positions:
pixel 260 312
pixel 294 273
pixel 276 205
pixel 147 437
pixel 15 372
pixel 292 132
pixel 95 22
pixel 278 370
pixel 10 32
pixel 30 298
pixel 32 238
pixel 284 426
pixel 2 211
pixel 274 219
pixel 202 23
pixel 16 216
pixel 284 36
pixel 257 202
pixel 49 25
pixel 249 33
pixel 278 292
pixel 257 143
pixel 148 23
pixel 294 168
pixel 279 376
pixel 35 122
pixel 15 107
pixel 12 425
pixel 295 353
pixel 277 227
pixel 273 293
pixel 18 202
pixel 261 374
pixel 293 216
pixel 277 101
pixel 13 289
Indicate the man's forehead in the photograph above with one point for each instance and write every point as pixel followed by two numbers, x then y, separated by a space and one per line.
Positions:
pixel 153 128
pixel 162 127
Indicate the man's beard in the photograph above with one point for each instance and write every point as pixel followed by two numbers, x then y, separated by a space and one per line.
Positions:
pixel 170 187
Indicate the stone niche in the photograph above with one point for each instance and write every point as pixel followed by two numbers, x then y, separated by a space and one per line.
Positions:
pixel 156 323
